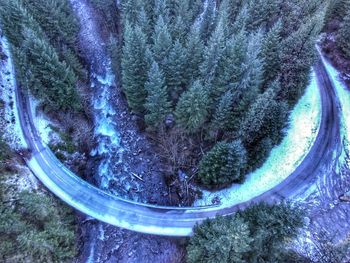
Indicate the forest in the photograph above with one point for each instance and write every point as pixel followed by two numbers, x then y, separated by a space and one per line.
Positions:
pixel 34 227
pixel 226 76
pixel 221 77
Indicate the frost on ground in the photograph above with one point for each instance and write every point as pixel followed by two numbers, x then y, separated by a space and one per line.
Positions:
pixel 9 115
pixel 284 158
pixel 22 179
pixel 343 95
pixel 41 122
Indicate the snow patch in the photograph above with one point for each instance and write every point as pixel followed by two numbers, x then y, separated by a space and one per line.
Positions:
pixel 41 122
pixel 12 132
pixel 284 158
pixel 199 20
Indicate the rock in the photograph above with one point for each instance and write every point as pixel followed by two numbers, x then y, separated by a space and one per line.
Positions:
pixel 216 200
pixel 345 198
pixel 182 176
pixel 170 121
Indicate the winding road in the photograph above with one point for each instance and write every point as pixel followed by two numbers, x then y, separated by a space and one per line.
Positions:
pixel 172 221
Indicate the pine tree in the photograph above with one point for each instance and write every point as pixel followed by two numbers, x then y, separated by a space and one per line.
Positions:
pixel 15 20
pixel 40 209
pixel 271 54
pixel 57 20
pixel 222 165
pixel 230 66
pixel 162 42
pixel 262 126
pixel 252 78
pixel 195 52
pixel 175 70
pixel 240 23
pixel 247 87
pixel 183 13
pixel 134 67
pixel 115 53
pixel 195 8
pixel 54 81
pixel 221 240
pixel 213 53
pixel 144 22
pixel 235 8
pixel 192 108
pixel 272 227
pixel 260 233
pixel 337 10
pixel 297 56
pixel 157 104
pixel 161 10
pixel 223 117
pixel 343 38
pixel 207 24
pixel 179 29
pixel 260 118
pixel 262 13
pixel 130 10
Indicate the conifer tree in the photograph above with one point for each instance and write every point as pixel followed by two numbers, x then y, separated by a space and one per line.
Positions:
pixel 263 125
pixel 179 29
pixel 272 228
pixel 144 22
pixel 252 78
pixel 208 20
pixel 161 9
pixel 221 240
pixel 235 8
pixel 185 14
pixel 213 53
pixel 271 53
pixel 223 165
pixel 157 104
pixel 175 70
pixel 249 84
pixel 194 57
pixel 262 13
pixel 343 38
pixel 15 20
pixel 337 9
pixel 230 67
pixel 240 23
pixel 223 117
pixel 195 7
pixel 57 20
pixel 260 119
pixel 162 42
pixel 54 82
pixel 134 67
pixel 130 9
pixel 297 56
pixel 192 108
pixel 260 233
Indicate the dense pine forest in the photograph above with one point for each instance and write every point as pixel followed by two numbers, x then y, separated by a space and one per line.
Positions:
pixel 220 77
pixel 336 42
pixel 225 75
pixel 212 83
pixel 43 37
pixel 34 227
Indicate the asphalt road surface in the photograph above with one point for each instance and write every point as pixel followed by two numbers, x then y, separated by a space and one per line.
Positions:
pixel 172 221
